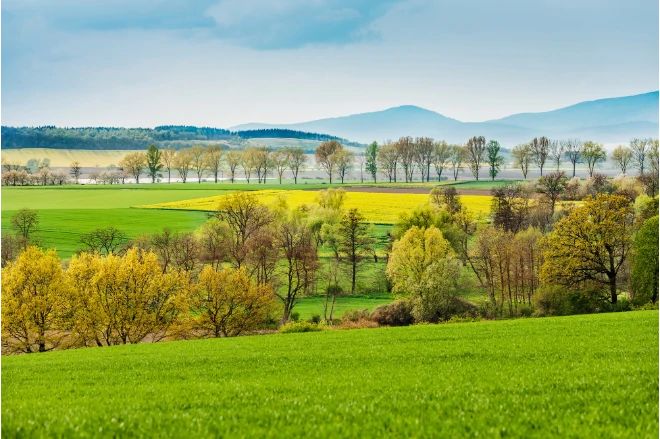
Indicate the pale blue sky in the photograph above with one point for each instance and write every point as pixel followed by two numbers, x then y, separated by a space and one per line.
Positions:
pixel 225 62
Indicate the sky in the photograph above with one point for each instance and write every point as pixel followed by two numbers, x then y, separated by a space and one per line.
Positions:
pixel 220 63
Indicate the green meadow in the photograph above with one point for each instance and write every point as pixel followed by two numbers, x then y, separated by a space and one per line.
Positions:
pixel 578 376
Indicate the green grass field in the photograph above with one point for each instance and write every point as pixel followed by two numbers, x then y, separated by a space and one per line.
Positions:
pixel 578 376
pixel 66 213
pixel 307 307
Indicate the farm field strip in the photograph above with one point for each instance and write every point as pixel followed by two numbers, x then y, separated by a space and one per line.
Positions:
pixel 577 376
pixel 62 198
pixel 383 208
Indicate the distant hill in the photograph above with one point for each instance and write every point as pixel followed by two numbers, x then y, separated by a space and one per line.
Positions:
pixel 604 120
pixel 599 113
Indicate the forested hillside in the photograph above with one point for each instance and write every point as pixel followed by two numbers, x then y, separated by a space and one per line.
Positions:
pixel 102 138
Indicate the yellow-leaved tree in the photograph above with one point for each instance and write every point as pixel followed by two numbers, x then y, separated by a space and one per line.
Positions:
pixel 591 245
pixel 228 303
pixel 126 299
pixel 35 299
pixel 423 264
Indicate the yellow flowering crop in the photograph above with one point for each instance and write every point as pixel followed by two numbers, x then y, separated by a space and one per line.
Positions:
pixel 382 208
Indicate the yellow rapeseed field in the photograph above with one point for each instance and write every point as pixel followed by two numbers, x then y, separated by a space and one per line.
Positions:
pixel 380 208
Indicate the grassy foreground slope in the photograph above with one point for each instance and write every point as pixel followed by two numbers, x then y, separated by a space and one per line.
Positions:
pixel 579 376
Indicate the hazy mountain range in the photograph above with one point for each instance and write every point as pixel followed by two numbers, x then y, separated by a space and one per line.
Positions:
pixel 604 120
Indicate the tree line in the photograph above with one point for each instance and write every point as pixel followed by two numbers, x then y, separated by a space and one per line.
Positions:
pixel 197 161
pixel 424 156
pixel 165 136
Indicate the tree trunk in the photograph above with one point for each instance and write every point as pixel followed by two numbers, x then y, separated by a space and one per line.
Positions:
pixel 613 289
pixel 353 276
pixel 654 297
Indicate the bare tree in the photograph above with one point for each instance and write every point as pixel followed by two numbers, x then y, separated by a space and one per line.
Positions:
pixel 244 216
pixel 522 155
pixel 326 157
pixel 167 157
pixel 556 153
pixel 249 162
pixel 344 161
pixel 234 159
pixel 540 151
pixel 387 158
pixel 441 157
pixel 182 162
pixel 26 223
pixel 457 160
pixel 360 159
pixel 424 155
pixel 75 170
pixel 639 148
pixel 263 163
pixel 573 150
pixel 213 160
pixel 405 146
pixel 198 161
pixel 104 240
pixel 475 149
pixel 297 160
pixel 552 186
pixel 280 159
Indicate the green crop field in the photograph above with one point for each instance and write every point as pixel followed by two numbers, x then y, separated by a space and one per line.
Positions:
pixel 579 376
pixel 65 213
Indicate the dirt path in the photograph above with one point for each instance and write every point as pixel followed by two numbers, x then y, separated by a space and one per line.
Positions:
pixel 411 190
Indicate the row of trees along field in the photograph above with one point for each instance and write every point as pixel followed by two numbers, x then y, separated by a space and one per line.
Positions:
pixel 200 161
pixel 539 254
pixel 423 154
pixel 407 155
pixel 254 162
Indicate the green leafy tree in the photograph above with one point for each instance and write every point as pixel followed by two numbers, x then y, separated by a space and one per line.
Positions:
pixel 495 160
pixel 644 276
pixel 593 153
pixel 423 264
pixel 154 164
pixel 371 165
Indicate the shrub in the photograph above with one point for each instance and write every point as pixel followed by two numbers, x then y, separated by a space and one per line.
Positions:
pixel 355 315
pixel 295 316
pixel 359 324
pixel 294 327
pixel 316 319
pixel 440 307
pixel 556 301
pixel 397 313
